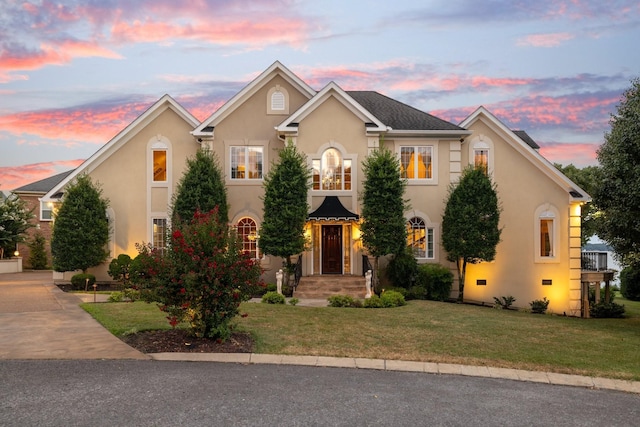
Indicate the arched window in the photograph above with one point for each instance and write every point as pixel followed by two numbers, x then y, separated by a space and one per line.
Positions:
pixel 332 172
pixel 420 238
pixel 248 233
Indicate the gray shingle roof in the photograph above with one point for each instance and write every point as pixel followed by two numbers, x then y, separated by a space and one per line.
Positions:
pixel 44 185
pixel 527 139
pixel 397 115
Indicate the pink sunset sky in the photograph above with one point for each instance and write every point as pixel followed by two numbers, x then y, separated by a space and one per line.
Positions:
pixel 74 73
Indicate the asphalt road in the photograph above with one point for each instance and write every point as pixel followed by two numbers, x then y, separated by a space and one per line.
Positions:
pixel 153 393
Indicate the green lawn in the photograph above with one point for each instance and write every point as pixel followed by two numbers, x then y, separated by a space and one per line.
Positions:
pixel 427 331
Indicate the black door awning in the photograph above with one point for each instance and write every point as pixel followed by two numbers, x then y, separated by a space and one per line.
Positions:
pixel 332 209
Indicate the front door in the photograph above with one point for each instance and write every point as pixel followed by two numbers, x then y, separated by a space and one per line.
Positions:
pixel 332 249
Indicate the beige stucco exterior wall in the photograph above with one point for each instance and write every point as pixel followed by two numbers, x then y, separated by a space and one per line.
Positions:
pixel 126 180
pixel 522 189
pixel 250 124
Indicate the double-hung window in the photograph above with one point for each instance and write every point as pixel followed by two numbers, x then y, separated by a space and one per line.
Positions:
pixel 246 162
pixel 416 162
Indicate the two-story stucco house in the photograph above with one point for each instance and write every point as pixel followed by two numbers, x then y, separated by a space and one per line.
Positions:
pixel 539 255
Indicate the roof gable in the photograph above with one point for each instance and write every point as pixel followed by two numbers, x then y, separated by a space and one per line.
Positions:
pixel 206 127
pixel 528 151
pixel 163 104
pixel 331 90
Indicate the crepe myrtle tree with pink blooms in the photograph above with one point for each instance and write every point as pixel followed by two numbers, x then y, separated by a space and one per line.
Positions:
pixel 201 278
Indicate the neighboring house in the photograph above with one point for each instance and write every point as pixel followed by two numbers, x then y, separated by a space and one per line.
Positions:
pixel 598 256
pixel 539 255
pixel 43 211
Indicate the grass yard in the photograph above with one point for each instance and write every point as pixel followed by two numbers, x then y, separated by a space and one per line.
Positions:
pixel 427 331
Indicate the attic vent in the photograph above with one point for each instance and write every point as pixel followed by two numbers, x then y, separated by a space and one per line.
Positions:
pixel 277 101
pixel 575 193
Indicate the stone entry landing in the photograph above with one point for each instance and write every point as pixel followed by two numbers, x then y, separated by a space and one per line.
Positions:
pixel 323 286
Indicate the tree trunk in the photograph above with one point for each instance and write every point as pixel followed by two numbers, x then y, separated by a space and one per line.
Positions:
pixel 462 270
pixel 375 280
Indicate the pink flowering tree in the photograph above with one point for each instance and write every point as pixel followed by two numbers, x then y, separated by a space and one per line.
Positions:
pixel 202 277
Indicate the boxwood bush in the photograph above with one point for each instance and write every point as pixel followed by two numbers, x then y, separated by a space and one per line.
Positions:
pixel 437 279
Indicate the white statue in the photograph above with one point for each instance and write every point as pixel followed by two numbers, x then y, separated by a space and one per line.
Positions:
pixel 279 276
pixel 367 281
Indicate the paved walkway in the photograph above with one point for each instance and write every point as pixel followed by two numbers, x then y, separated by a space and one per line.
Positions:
pixel 39 321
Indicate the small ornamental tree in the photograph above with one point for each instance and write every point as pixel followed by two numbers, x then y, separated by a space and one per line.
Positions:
pixel 617 192
pixel 202 278
pixel 15 220
pixel 201 188
pixel 37 252
pixel 470 226
pixel 81 228
pixel 285 206
pixel 383 229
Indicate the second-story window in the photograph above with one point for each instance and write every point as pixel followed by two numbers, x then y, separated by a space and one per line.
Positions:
pixel 246 162
pixel 332 171
pixel 416 162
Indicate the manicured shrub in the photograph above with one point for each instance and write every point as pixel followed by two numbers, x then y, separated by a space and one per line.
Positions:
pixel 116 297
pixel 630 282
pixel 604 310
pixel 373 302
pixel 271 287
pixel 402 269
pixel 402 291
pixel 417 292
pixel 437 279
pixel 273 298
pixel 539 306
pixel 119 268
pixel 79 281
pixel 343 301
pixel 392 299
pixel 294 301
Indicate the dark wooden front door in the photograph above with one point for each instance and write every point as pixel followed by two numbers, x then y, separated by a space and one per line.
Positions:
pixel 331 249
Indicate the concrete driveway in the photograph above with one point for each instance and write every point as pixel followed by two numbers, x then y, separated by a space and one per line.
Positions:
pixel 39 321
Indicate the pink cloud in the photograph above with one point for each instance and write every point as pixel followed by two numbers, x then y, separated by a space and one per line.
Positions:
pixel 578 154
pixel 93 124
pixel 545 40
pixel 12 177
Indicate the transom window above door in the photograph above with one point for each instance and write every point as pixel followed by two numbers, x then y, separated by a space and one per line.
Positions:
pixel 246 162
pixel 331 171
pixel 416 162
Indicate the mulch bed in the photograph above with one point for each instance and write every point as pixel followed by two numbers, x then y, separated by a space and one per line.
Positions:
pixel 179 341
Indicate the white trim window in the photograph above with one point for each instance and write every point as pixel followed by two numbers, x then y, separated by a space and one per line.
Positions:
pixel 547 234
pixel 416 162
pixel 246 162
pixel 159 173
pixel 481 154
pixel 420 238
pixel 331 172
